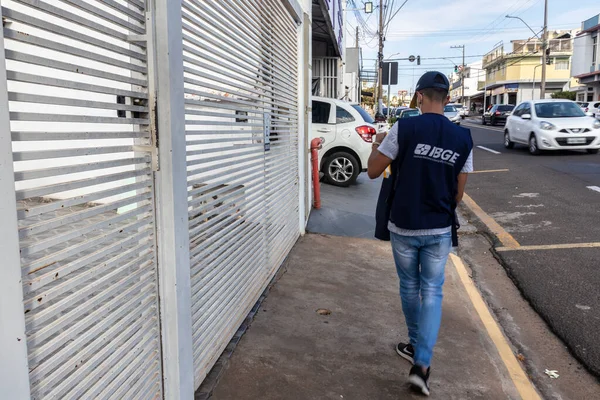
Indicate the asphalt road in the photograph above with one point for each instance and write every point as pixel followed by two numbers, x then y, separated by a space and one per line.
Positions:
pixel 545 200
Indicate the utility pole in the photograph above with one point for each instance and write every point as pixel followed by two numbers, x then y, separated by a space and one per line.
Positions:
pixel 462 72
pixel 356 37
pixel 544 47
pixel 380 57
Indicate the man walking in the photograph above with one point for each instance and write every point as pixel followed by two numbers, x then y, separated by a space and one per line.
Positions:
pixel 430 158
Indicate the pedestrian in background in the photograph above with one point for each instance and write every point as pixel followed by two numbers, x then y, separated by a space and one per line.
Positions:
pixel 430 158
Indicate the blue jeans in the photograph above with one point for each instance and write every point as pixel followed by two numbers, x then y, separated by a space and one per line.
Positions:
pixel 420 262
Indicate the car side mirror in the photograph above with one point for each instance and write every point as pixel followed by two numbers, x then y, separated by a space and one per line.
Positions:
pixel 526 116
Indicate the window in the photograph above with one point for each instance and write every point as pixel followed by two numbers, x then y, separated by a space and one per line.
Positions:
pixel 561 65
pixel 449 109
pixel 365 115
pixel 526 109
pixel 505 108
pixel 594 51
pixel 519 110
pixel 342 116
pixel 320 112
pixel 558 110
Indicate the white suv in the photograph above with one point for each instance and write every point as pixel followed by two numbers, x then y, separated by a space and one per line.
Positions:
pixel 347 132
pixel 552 125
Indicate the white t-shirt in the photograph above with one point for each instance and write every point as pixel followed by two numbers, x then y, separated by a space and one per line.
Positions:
pixel 389 148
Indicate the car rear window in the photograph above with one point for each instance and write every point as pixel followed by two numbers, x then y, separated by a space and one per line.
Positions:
pixel 411 113
pixel 449 109
pixel 365 115
pixel 505 108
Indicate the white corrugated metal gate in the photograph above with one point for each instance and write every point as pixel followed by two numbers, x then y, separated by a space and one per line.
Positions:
pixel 242 156
pixel 106 117
pixel 84 194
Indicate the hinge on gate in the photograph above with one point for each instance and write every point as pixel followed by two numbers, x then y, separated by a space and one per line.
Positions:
pixel 153 151
pixel 308 109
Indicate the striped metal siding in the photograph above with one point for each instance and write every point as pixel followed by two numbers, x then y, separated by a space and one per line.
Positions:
pixel 84 186
pixel 240 73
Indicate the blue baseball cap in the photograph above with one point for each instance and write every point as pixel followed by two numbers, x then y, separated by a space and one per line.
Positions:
pixel 431 79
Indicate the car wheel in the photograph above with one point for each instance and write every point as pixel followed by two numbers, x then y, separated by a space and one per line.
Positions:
pixel 341 169
pixel 483 121
pixel 509 144
pixel 533 146
pixel 593 151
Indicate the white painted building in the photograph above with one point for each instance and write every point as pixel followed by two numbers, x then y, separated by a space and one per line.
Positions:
pixel 586 60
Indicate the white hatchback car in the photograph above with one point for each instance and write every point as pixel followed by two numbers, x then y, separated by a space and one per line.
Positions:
pixel 552 125
pixel 347 132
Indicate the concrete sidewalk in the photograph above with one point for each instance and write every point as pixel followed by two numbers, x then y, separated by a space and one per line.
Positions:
pixel 292 352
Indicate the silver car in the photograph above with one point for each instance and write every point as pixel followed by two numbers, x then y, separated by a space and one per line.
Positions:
pixel 452 114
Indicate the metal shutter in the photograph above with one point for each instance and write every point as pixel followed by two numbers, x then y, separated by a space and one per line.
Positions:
pixel 84 187
pixel 240 73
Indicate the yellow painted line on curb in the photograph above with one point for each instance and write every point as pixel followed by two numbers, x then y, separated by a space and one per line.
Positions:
pixel 506 238
pixel 551 247
pixel 485 171
pixel 516 372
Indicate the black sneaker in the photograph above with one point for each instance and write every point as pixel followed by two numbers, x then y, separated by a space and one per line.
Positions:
pixel 406 351
pixel 418 380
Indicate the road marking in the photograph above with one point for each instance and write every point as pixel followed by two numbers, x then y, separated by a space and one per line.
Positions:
pixel 484 127
pixel 485 171
pixel 515 370
pixel 594 188
pixel 490 150
pixel 552 247
pixel 505 238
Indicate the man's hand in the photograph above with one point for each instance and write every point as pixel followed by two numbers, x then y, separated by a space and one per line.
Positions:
pixel 379 137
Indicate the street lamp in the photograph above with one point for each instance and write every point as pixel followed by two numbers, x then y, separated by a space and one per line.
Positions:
pixel 543 39
pixel 526 24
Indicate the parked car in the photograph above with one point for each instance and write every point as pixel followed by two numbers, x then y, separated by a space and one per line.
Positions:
pixel 498 113
pixel 452 113
pixel 594 108
pixel 460 108
pixel 552 125
pixel 347 131
pixel 584 105
pixel 399 111
pixel 409 112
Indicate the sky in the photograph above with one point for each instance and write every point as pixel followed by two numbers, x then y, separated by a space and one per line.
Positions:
pixel 430 27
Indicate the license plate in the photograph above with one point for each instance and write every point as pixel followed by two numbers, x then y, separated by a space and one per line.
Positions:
pixel 576 140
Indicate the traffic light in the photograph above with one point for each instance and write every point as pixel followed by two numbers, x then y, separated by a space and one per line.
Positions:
pixel 455 68
pixel 418 60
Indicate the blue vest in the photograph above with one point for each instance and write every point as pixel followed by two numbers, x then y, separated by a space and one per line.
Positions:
pixel 432 152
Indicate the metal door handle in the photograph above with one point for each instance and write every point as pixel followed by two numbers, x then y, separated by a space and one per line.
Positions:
pixel 324 130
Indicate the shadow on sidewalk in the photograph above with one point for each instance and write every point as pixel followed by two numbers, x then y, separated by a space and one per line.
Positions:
pixel 292 352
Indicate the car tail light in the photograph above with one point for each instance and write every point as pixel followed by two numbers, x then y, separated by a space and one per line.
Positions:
pixel 498 113
pixel 366 133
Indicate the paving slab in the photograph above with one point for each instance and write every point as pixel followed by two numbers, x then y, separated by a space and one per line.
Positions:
pixel 292 352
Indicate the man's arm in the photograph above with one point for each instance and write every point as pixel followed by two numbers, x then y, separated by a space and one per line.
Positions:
pixel 380 159
pixel 377 163
pixel 462 182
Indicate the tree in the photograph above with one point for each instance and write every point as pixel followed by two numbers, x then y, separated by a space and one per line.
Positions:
pixel 564 95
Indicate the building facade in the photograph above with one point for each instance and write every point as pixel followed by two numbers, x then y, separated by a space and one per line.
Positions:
pixel 473 73
pixel 586 61
pixel 328 48
pixel 514 76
